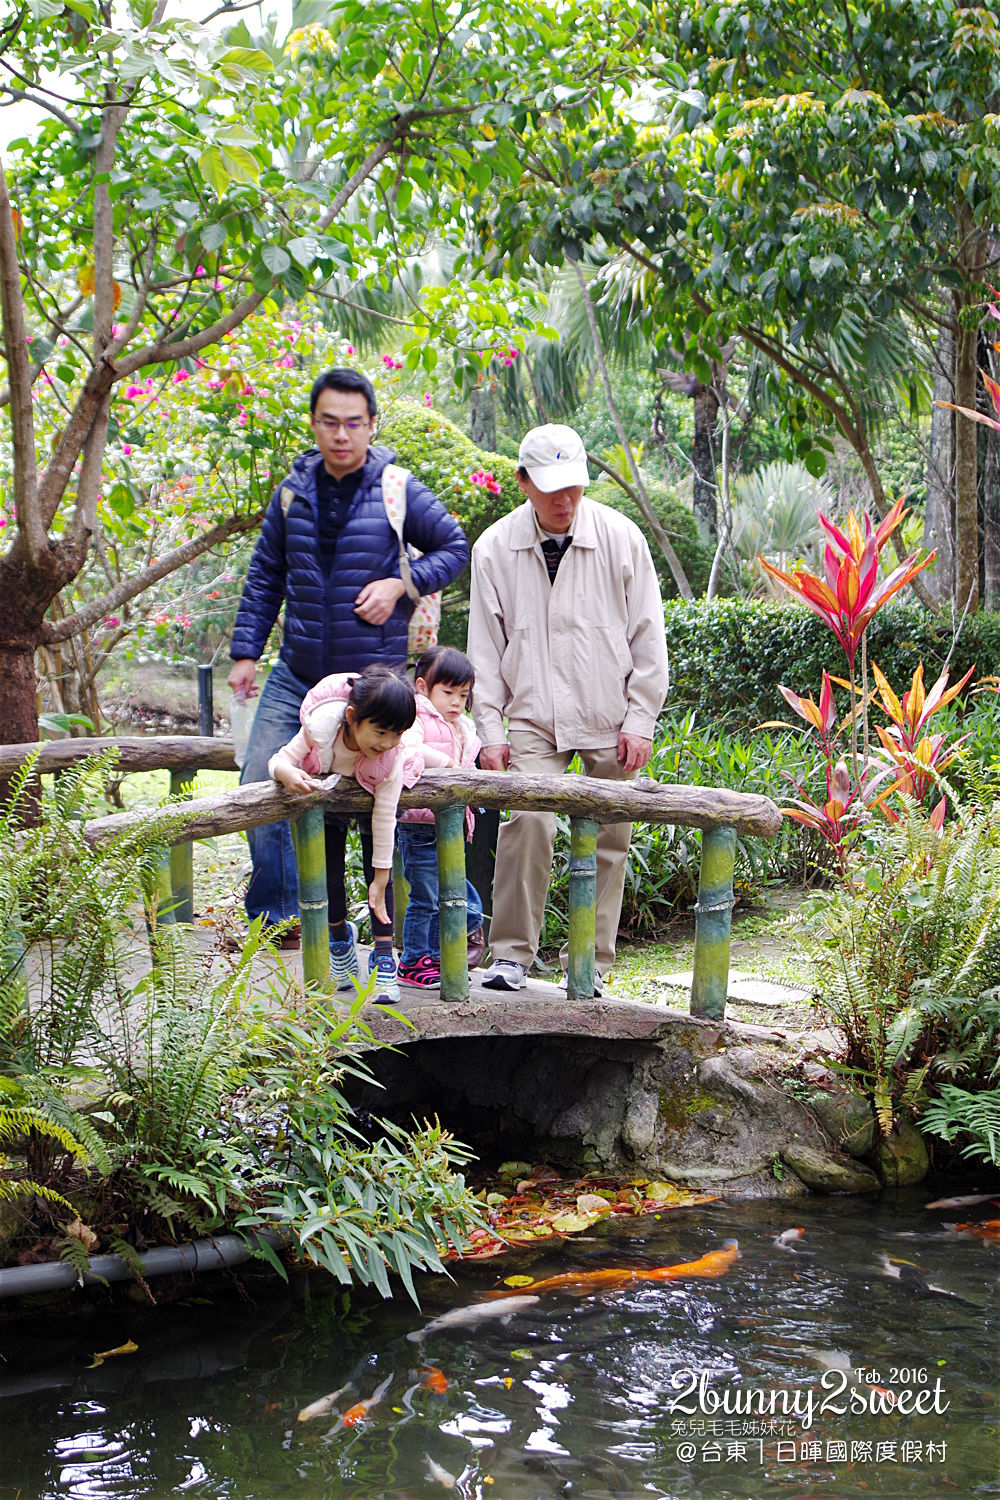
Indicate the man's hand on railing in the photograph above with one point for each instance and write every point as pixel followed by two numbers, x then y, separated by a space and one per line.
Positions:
pixel 494 757
pixel 633 752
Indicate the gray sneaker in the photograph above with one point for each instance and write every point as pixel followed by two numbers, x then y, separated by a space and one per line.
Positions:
pixel 505 974
pixel 598 984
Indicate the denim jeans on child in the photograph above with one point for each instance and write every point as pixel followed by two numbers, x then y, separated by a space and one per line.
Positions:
pixel 274 883
pixel 421 928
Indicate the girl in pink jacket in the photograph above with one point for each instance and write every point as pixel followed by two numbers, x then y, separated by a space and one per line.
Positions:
pixel 443 679
pixel 353 725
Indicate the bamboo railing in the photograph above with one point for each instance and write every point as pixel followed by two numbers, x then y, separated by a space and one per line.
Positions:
pixel 588 801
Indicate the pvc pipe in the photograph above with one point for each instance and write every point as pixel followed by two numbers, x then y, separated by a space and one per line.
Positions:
pixel 201 1255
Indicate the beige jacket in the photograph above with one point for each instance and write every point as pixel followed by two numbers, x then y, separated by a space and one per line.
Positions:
pixel 580 659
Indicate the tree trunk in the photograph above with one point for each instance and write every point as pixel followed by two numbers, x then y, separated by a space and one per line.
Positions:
pixel 483 417
pixel 991 524
pixel 939 524
pixel 966 474
pixel 706 411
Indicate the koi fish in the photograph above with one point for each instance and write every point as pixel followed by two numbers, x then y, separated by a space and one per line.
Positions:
pixel 989 1229
pixel 912 1277
pixel 438 1475
pixel 787 1238
pixel 964 1200
pixel 434 1379
pixel 583 1283
pixel 469 1317
pixel 839 1359
pixel 360 1410
pixel 324 1405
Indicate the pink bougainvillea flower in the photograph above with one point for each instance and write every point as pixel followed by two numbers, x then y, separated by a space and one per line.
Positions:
pixel 350 350
pixel 127 450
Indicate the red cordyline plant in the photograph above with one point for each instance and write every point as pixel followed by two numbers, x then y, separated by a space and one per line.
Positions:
pixel 919 757
pixel 849 594
pixel 839 817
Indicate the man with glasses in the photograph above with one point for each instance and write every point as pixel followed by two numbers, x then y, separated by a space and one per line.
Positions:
pixel 327 552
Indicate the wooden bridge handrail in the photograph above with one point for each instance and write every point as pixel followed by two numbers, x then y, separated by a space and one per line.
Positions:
pixel 644 801
pixel 169 752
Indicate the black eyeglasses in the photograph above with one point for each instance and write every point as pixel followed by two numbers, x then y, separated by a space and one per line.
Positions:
pixel 334 424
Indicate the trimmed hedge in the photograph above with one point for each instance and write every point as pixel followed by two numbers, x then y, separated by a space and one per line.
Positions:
pixel 727 657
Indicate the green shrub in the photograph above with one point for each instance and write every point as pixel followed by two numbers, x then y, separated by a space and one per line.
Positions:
pixel 908 958
pixel 661 878
pixel 727 657
pixel 679 524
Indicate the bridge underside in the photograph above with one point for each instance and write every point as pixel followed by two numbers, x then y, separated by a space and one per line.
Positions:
pixel 602 1085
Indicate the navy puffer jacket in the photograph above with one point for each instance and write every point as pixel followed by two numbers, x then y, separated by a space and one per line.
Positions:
pixel 322 632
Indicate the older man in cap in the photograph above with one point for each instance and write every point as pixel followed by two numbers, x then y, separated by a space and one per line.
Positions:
pixel 566 635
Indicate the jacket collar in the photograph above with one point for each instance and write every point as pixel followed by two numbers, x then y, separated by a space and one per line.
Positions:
pixel 524 532
pixel 306 467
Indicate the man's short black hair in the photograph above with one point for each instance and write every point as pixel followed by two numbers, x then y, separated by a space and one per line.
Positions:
pixel 343 380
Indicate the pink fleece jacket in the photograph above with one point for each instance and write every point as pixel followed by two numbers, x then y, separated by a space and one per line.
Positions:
pixel 319 749
pixel 440 743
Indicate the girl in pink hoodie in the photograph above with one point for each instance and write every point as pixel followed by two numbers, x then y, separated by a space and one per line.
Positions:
pixel 353 725
pixel 443 679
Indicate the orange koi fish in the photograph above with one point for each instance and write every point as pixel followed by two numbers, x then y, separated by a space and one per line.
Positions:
pixel 583 1283
pixel 989 1229
pixel 434 1379
pixel 359 1411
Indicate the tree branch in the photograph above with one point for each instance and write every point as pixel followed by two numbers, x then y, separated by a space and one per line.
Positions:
pixel 29 522
pixel 139 582
pixel 39 103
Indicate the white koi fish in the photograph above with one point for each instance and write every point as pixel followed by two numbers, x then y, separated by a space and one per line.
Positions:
pixel 787 1239
pixel 439 1475
pixel 479 1312
pixel 324 1405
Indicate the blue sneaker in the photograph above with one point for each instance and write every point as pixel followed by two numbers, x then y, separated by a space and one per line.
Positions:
pixel 384 965
pixel 344 961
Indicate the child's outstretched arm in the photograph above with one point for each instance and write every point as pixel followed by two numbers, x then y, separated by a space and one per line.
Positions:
pixel 376 894
pixel 286 765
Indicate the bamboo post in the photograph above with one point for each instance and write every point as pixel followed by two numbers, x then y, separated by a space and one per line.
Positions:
pixel 182 856
pixel 310 858
pixel 400 898
pixel 160 893
pixel 452 904
pixel 582 907
pixel 713 913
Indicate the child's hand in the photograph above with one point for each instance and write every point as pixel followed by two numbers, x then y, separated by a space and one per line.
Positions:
pixel 376 895
pixel 293 779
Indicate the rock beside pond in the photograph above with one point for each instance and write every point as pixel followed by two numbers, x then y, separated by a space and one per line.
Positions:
pixel 825 1173
pixel 902 1156
pixel 847 1118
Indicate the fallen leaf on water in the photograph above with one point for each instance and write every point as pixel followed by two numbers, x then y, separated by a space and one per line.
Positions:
pixel 518 1280
pixel 572 1223
pixel 128 1348
pixel 591 1203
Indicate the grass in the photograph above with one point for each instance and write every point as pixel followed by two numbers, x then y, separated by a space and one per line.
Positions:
pixel 764 945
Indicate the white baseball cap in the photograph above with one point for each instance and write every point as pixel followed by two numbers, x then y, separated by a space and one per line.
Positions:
pixel 554 457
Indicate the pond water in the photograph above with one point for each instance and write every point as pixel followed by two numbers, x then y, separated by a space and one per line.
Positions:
pixel 735 1388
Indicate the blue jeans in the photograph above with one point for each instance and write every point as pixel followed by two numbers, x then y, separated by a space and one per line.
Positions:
pixel 421 928
pixel 274 884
